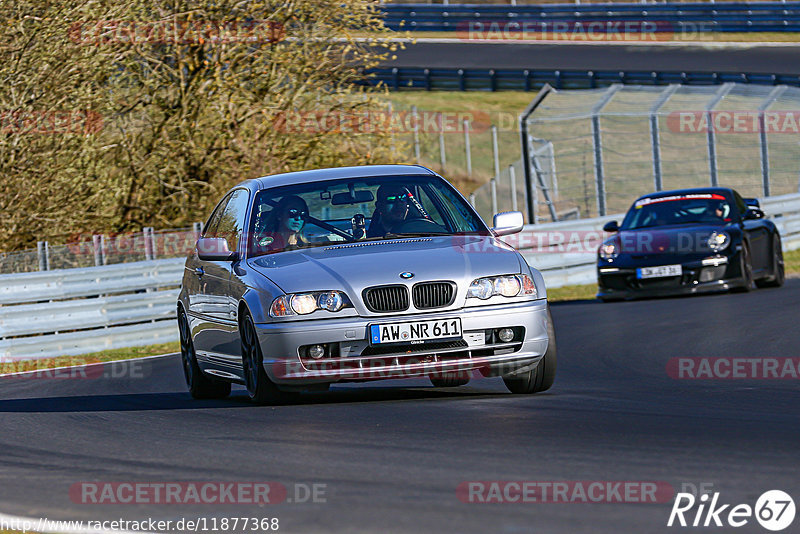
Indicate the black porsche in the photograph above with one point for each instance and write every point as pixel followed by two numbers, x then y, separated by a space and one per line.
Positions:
pixel 689 241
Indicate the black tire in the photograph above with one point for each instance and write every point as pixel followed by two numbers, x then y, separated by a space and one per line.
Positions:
pixel 260 388
pixel 452 379
pixel 543 375
pixel 778 270
pixel 746 270
pixel 200 386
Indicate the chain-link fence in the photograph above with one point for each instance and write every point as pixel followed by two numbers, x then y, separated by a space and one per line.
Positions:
pixel 102 250
pixel 608 146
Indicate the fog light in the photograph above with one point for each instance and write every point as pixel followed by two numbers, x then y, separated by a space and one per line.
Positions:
pixel 316 351
pixel 505 335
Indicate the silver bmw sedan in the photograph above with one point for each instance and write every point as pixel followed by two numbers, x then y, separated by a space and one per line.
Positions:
pixel 304 279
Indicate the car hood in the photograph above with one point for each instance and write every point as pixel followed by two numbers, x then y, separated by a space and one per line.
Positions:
pixel 354 266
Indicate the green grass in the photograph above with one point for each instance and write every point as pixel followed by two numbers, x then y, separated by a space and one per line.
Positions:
pixel 792 261
pixel 95 357
pixel 578 292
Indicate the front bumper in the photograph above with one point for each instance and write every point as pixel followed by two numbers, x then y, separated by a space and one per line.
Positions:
pixel 355 360
pixel 709 275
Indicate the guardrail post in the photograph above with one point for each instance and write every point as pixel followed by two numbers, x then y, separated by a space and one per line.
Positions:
pixel 467 148
pixel 197 228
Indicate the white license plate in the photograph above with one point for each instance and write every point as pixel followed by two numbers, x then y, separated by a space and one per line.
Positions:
pixel 415 332
pixel 659 272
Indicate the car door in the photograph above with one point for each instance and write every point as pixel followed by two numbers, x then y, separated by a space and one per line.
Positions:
pixel 223 347
pixel 757 236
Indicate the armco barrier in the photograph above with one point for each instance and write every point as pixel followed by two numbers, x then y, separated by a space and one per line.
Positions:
pixel 705 16
pixel 77 311
pixel 529 79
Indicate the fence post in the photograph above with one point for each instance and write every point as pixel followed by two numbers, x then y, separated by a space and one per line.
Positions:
pixel 466 142
pixel 512 178
pixel 98 255
pixel 655 138
pixel 197 228
pixel 442 151
pixel 495 153
pixel 712 148
pixel 147 232
pixel 494 195
pixel 599 176
pixel 41 252
pixel 416 132
pixel 472 199
pixel 762 133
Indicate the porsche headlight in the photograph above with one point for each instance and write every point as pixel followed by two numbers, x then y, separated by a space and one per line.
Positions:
pixel 513 285
pixel 609 250
pixel 718 241
pixel 305 303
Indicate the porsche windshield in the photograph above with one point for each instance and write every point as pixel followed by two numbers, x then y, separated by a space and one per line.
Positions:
pixel 702 208
pixel 350 210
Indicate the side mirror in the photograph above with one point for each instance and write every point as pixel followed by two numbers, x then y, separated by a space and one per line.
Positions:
pixel 508 222
pixel 611 226
pixel 214 249
pixel 753 214
pixel 752 202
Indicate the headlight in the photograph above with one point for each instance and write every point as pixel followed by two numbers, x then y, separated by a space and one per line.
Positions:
pixel 512 285
pixel 718 241
pixel 305 303
pixel 609 249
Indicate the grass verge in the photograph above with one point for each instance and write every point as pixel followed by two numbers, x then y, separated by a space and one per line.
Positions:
pixel 86 359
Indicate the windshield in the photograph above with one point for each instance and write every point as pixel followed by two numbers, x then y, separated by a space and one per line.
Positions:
pixel 351 210
pixel 698 208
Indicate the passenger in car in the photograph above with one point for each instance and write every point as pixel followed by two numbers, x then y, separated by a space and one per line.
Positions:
pixel 283 226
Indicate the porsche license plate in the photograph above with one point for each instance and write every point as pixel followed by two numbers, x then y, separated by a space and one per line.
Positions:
pixel 659 272
pixel 415 332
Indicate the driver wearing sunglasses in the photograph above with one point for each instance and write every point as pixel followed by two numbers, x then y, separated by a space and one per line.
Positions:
pixel 284 225
pixel 391 208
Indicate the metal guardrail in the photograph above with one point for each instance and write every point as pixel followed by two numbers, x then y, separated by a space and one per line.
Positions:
pixel 530 79
pixel 78 311
pixel 567 268
pixel 671 17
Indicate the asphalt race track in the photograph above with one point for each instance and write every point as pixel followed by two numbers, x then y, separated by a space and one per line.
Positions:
pixel 743 57
pixel 392 454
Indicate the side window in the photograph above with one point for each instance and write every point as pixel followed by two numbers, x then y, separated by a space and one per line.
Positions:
pixel 209 230
pixel 740 205
pixel 231 222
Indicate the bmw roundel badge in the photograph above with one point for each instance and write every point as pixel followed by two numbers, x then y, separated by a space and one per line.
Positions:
pixel 406 275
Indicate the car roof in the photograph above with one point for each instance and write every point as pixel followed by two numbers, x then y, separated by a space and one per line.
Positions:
pixel 319 175
pixel 659 194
